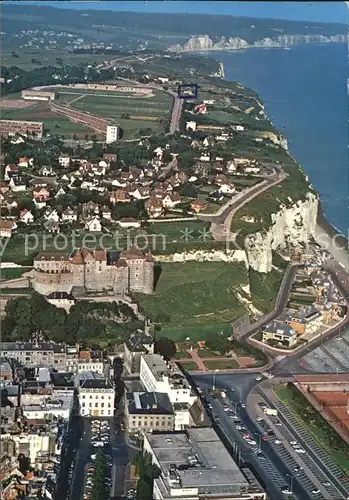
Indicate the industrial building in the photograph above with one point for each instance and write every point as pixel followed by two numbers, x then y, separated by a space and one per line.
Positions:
pixel 195 464
pixel 12 127
pixel 38 95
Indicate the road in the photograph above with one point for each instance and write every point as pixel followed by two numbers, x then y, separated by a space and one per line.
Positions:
pixel 271 468
pixel 317 466
pixel 176 113
pixel 221 222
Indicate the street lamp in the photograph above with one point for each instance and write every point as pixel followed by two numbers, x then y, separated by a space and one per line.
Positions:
pixel 259 440
pixel 291 481
pixel 214 380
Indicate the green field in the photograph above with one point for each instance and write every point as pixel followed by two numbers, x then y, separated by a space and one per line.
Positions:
pixel 195 294
pixel 48 58
pixel 137 116
pixel 131 112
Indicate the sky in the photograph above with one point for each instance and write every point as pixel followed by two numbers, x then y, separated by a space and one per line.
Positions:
pixel 294 11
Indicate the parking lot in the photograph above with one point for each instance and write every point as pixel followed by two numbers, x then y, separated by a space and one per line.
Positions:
pixel 105 434
pixel 100 440
pixel 331 357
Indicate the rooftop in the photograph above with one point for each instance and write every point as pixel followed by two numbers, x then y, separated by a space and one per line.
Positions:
pixel 154 403
pixel 279 327
pixel 196 458
pixel 95 383
pixel 161 369
pixel 136 342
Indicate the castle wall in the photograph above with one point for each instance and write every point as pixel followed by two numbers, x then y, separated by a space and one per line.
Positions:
pixel 121 280
pixel 95 276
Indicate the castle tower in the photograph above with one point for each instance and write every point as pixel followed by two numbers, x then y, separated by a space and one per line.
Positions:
pixel 148 274
pixel 134 259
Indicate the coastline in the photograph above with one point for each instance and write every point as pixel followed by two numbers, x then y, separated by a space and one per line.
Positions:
pixel 329 229
pixel 267 45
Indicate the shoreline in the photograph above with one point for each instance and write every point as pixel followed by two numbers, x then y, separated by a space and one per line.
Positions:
pixel 331 230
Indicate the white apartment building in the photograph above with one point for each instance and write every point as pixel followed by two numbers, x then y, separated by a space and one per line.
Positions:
pixel 158 376
pixel 112 133
pixel 96 398
pixel 96 366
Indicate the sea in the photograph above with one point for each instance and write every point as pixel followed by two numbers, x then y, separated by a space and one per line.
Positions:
pixel 304 90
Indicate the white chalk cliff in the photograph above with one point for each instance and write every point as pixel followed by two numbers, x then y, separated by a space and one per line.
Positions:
pixel 291 225
pixel 204 42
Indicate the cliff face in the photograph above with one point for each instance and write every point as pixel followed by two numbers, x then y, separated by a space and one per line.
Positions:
pixel 290 225
pixel 204 42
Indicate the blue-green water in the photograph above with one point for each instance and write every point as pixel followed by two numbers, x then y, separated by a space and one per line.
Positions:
pixel 305 94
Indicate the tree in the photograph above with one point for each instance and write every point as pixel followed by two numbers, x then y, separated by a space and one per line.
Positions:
pixel 99 486
pixel 217 342
pixel 147 473
pixel 166 347
pixel 188 190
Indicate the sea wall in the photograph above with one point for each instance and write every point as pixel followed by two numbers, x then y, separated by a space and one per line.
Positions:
pixel 291 226
pixel 204 42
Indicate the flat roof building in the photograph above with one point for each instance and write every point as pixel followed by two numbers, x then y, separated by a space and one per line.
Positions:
pixel 38 95
pixel 12 127
pixel 195 464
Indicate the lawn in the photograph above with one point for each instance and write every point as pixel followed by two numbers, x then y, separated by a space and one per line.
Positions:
pixel 181 231
pixel 190 366
pixel 265 288
pixel 322 432
pixel 182 355
pixel 195 293
pixel 207 353
pixel 195 333
pixel 240 181
pixel 212 208
pixel 15 291
pixel 222 364
pixel 13 273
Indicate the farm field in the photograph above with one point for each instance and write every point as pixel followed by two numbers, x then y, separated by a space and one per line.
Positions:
pixel 53 123
pixel 48 58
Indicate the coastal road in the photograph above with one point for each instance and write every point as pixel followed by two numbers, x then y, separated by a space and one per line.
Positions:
pixel 271 469
pixel 318 456
pixel 221 223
